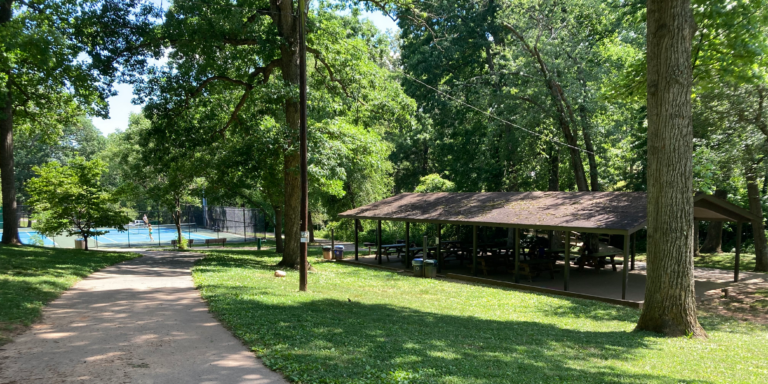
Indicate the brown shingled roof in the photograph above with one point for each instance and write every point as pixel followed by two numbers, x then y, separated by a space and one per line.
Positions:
pixel 601 212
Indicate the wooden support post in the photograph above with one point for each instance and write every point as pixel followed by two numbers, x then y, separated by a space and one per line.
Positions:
pixel 474 250
pixel 737 262
pixel 357 227
pixel 625 268
pixel 407 244
pixel 378 241
pixel 517 256
pixel 567 265
pixel 333 243
pixel 634 250
pixel 439 249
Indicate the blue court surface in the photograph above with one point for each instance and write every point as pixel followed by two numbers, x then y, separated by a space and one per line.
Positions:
pixel 160 235
pixel 29 238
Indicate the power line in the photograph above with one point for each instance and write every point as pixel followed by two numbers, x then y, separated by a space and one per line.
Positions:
pixel 491 115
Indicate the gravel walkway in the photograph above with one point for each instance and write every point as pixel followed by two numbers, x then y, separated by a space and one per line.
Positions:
pixel 140 321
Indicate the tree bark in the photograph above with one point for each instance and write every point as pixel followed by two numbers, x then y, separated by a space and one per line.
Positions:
pixel 278 229
pixel 713 243
pixel 288 29
pixel 177 221
pixel 670 303
pixel 311 228
pixel 593 176
pixel 10 215
pixel 758 226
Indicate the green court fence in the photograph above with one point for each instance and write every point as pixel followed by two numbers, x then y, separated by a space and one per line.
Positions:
pixel 200 224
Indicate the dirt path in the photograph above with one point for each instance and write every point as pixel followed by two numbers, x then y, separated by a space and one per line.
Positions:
pixel 140 321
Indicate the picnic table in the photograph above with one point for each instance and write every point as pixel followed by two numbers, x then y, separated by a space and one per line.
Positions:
pixel 594 259
pixel 390 249
pixel 416 250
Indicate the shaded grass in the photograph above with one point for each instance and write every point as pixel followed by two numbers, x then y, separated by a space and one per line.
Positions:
pixel 359 325
pixel 30 277
pixel 725 261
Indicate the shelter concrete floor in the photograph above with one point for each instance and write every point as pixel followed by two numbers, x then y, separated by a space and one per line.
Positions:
pixel 604 283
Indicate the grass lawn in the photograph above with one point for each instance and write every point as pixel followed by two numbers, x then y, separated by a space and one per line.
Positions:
pixel 359 325
pixel 30 277
pixel 718 260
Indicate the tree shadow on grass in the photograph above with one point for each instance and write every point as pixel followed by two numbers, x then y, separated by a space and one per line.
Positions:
pixel 336 341
pixel 330 340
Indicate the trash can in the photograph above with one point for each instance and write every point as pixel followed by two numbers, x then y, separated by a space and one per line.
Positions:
pixel 430 269
pixel 327 252
pixel 79 243
pixel 338 252
pixel 418 267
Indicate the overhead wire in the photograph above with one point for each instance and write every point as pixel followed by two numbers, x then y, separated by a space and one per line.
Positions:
pixel 489 114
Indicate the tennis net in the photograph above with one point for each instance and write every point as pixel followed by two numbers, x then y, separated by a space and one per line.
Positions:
pixel 143 228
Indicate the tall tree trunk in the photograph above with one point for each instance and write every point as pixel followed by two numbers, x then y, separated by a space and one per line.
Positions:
pixel 278 230
pixel 554 168
pixel 288 29
pixel 10 215
pixel 670 301
pixel 311 228
pixel 758 226
pixel 593 179
pixel 713 243
pixel 177 221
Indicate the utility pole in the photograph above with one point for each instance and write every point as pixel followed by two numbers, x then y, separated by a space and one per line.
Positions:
pixel 303 145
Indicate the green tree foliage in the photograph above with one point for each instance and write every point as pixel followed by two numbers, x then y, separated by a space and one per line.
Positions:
pixel 229 105
pixel 434 183
pixel 71 199
pixel 45 83
pixel 30 150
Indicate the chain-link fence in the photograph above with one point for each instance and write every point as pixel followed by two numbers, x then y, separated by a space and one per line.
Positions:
pixel 198 225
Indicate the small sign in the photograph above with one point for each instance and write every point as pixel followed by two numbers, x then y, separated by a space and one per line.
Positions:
pixel 304 234
pixel 303 239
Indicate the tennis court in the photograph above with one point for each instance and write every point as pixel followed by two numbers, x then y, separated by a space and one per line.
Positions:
pixel 134 236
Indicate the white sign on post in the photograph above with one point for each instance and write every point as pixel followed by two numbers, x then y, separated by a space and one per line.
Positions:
pixel 304 237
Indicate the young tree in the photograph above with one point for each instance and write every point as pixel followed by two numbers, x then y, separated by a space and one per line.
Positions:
pixel 670 302
pixel 72 199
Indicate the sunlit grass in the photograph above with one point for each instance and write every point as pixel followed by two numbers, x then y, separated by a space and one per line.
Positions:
pixel 725 261
pixel 30 277
pixel 358 325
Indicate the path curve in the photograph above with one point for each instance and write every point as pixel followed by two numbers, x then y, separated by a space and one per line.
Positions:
pixel 141 321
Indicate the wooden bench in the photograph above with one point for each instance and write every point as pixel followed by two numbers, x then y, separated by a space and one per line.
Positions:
pixel 189 243
pixel 208 242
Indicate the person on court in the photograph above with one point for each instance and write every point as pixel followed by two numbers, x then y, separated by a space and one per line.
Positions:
pixel 146 221
pixel 149 226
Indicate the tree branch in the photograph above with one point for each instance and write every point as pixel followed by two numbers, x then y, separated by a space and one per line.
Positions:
pixel 319 57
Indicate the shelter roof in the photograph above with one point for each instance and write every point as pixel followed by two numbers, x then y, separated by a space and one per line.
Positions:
pixel 710 208
pixel 600 212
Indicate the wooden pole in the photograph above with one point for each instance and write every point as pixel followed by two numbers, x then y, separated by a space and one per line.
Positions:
pixel 634 250
pixel 474 250
pixel 737 265
pixel 357 226
pixel 567 266
pixel 407 244
pixel 439 249
pixel 625 268
pixel 378 240
pixel 333 243
pixel 517 255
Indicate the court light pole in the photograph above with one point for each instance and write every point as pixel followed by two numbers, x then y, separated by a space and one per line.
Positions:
pixel 304 238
